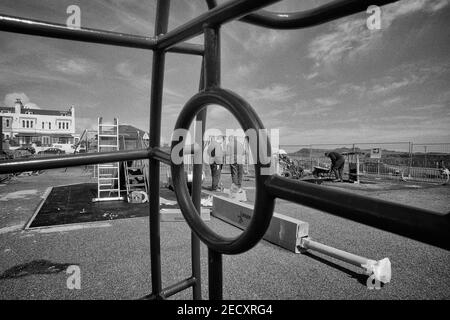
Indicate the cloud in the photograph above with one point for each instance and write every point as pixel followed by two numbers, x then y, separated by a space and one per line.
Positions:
pixel 82 123
pixel 263 41
pixel 275 92
pixel 10 99
pixel 402 76
pixel 326 101
pixel 350 37
pixel 75 66
pixel 124 69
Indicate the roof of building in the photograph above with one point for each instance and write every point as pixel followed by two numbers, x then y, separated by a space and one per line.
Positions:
pixel 130 132
pixel 38 111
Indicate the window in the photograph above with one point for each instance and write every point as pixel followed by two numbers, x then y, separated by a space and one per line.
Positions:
pixel 49 125
pixel 42 125
pixel 28 124
pixel 7 123
pixel 31 124
pixel 59 125
pixel 23 123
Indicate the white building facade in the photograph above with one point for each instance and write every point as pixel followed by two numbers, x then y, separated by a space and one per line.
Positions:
pixel 27 126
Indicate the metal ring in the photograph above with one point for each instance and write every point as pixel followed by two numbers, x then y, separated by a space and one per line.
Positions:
pixel 264 202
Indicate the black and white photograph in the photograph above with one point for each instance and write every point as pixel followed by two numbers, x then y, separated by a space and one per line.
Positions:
pixel 246 152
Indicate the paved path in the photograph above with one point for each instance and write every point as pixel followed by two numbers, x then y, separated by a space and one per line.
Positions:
pixel 114 258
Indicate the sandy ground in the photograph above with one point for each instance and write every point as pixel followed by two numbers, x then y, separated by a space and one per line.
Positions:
pixel 114 257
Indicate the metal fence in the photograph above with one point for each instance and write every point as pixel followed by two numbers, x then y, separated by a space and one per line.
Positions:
pixel 405 161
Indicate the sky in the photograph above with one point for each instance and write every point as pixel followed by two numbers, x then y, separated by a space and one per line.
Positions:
pixel 335 83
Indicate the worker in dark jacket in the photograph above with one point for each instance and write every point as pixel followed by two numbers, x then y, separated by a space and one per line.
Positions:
pixel 337 164
pixel 215 151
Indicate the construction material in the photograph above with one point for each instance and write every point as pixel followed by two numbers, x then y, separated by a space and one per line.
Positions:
pixel 136 174
pixel 292 234
pixel 283 231
pixel 175 215
pixel 381 269
pixel 108 174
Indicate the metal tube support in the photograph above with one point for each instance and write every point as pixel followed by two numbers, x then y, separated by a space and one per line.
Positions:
pixel 197 192
pixel 64 161
pixel 308 18
pixel 212 70
pixel 1 134
pixel 351 258
pixel 416 223
pixel 221 14
pixel 161 24
pixel 59 31
pixel 215 275
pixel 380 269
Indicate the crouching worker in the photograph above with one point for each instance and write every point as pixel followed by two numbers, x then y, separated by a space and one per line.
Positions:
pixel 337 164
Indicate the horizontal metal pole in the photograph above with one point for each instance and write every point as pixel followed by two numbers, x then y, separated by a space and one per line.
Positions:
pixel 325 13
pixel 188 48
pixel 333 252
pixel 160 155
pixel 177 287
pixel 20 165
pixel 60 31
pixel 221 14
pixel 415 223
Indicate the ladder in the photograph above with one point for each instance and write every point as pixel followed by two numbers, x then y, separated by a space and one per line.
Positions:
pixel 136 172
pixel 108 174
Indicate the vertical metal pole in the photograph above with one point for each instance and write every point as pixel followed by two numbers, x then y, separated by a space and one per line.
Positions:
pixel 310 157
pixel 196 194
pixel 212 79
pixel 215 286
pixel 425 160
pixel 410 158
pixel 1 133
pixel 161 24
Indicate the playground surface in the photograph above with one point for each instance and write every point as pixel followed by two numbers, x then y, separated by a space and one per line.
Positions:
pixel 114 254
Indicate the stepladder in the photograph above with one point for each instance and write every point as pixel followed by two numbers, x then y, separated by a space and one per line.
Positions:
pixel 108 174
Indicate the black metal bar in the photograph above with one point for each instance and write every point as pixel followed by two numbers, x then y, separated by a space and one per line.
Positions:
pixel 418 224
pixel 160 155
pixel 64 161
pixel 214 17
pixel 171 290
pixel 177 287
pixel 325 13
pixel 212 79
pixel 211 59
pixel 161 23
pixel 211 4
pixel 197 192
pixel 187 48
pixel 60 31
pixel 215 275
pixel 1 135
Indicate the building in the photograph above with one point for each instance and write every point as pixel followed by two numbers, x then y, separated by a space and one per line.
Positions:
pixel 42 127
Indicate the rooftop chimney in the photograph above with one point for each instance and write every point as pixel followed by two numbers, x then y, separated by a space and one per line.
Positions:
pixel 18 106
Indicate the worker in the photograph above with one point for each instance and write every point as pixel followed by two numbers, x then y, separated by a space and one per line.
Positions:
pixel 235 155
pixel 215 151
pixel 337 164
